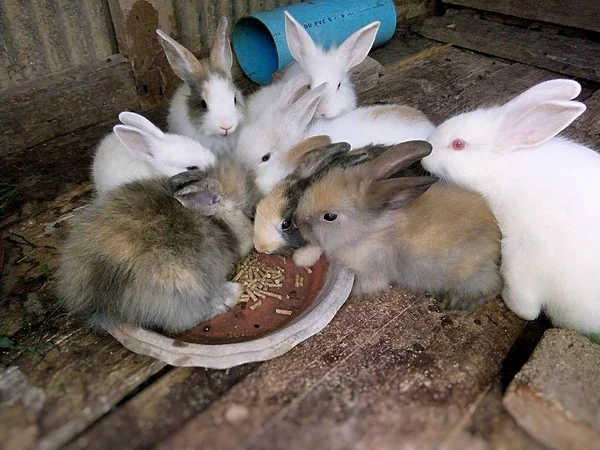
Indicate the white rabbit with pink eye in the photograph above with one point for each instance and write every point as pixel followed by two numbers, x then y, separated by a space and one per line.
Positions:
pixel 208 106
pixel 332 66
pixel 545 193
pixel 138 149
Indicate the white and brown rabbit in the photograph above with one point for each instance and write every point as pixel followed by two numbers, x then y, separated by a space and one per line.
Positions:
pixel 207 106
pixel 156 253
pixel 407 231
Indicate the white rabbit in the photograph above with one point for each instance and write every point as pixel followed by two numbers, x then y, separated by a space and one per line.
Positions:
pixel 207 106
pixel 332 66
pixel 138 149
pixel 265 141
pixel 544 191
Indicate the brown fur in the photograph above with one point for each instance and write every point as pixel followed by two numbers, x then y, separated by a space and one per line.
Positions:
pixel 444 241
pixel 402 111
pixel 298 151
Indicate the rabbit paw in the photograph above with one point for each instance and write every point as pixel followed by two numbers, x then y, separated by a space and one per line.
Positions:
pixel 234 290
pixel 307 256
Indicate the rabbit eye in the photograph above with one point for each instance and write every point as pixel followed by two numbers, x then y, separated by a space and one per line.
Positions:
pixel 192 167
pixel 309 87
pixel 458 144
pixel 330 217
pixel 235 100
pixel 204 105
pixel 339 85
pixel 266 157
pixel 286 224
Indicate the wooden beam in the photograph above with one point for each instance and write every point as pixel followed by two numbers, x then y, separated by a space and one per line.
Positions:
pixel 64 102
pixel 570 56
pixel 584 14
pixel 135 23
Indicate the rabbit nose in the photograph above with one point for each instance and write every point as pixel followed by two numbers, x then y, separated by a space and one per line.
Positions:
pixel 226 127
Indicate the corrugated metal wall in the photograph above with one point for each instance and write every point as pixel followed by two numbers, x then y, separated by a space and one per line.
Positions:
pixel 39 37
pixel 197 19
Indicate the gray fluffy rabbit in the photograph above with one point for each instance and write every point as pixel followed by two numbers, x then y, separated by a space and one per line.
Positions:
pixel 156 253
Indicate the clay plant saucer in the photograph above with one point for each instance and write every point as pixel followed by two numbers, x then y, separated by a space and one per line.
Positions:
pixel 249 333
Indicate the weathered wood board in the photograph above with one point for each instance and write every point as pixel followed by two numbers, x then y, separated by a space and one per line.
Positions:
pixel 584 14
pixel 567 55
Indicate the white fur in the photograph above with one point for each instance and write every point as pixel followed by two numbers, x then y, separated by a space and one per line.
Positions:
pixel 210 131
pixel 131 153
pixel 543 191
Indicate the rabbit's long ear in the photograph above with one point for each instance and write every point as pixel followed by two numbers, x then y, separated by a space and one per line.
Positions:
pixel 358 45
pixel 185 65
pixel 318 159
pixel 301 45
pixel 138 121
pixel 559 89
pixel 397 157
pixel 220 52
pixel 195 190
pixel 397 192
pixel 302 111
pixel 138 142
pixel 527 127
pixel 294 157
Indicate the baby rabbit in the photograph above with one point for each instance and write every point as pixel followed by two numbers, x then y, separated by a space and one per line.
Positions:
pixel 207 106
pixel 332 66
pixel 409 230
pixel 544 192
pixel 138 149
pixel 274 228
pixel 156 253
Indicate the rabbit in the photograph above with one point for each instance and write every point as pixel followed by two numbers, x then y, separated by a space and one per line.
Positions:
pixel 156 252
pixel 274 229
pixel 208 106
pixel 264 141
pixel 543 190
pixel 281 126
pixel 332 66
pixel 410 231
pixel 138 149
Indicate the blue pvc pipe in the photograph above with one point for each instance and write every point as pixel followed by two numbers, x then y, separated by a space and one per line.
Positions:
pixel 259 39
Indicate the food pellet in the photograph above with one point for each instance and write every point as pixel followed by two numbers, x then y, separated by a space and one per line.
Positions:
pixel 283 312
pixel 256 305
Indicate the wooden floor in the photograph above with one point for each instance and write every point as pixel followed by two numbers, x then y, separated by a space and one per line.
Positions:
pixel 389 372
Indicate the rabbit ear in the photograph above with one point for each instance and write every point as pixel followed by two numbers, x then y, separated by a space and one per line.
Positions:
pixel 398 157
pixel 356 48
pixel 315 161
pixel 538 124
pixel 138 121
pixel 290 91
pixel 194 190
pixel 302 111
pixel 397 192
pixel 299 151
pixel 560 89
pixel 185 65
pixel 220 52
pixel 138 142
pixel 301 45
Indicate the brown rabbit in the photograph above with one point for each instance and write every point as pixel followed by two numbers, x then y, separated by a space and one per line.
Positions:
pixel 408 231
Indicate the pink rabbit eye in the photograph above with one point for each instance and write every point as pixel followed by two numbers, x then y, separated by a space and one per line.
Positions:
pixel 458 144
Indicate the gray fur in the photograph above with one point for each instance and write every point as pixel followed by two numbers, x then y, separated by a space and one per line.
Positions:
pixel 138 256
pixel 439 239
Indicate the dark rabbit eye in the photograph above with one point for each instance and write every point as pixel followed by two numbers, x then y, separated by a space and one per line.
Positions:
pixel 339 84
pixel 286 224
pixel 235 100
pixel 266 157
pixel 330 217
pixel 192 167
pixel 309 87
pixel 204 105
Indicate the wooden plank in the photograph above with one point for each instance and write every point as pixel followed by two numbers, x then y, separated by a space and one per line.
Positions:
pixel 570 56
pixel 59 104
pixel 398 375
pixel 161 409
pixel 584 14
pixel 409 9
pixel 556 396
pixel 135 24
pixel 41 37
